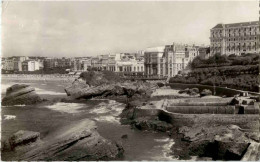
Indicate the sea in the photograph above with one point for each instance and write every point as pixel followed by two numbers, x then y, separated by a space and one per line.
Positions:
pixel 139 145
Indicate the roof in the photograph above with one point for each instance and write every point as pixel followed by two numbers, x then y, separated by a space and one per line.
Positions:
pixel 241 24
pixel 155 49
pixel 219 26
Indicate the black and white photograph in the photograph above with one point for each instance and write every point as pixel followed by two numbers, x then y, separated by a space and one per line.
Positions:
pixel 117 80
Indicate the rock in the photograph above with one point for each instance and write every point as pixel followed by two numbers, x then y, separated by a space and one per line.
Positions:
pixel 78 141
pixel 20 94
pixel 205 92
pixel 21 138
pixel 219 142
pixel 129 90
pixel 147 123
pixel 124 136
pixel 76 85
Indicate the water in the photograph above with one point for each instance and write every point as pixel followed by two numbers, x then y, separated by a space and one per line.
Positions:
pixel 139 145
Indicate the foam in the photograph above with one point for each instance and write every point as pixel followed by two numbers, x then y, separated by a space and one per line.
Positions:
pixel 67 107
pixel 166 149
pixel 108 118
pixel 108 112
pixel 9 117
pixel 46 92
pixel 112 106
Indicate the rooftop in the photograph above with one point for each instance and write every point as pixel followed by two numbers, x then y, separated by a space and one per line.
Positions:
pixel 155 49
pixel 241 24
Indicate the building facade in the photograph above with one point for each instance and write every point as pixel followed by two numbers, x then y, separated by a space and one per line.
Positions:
pixel 30 65
pixel 169 60
pixel 237 38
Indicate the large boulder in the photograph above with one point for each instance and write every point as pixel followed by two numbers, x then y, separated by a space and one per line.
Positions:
pixel 77 85
pixel 78 141
pixel 20 94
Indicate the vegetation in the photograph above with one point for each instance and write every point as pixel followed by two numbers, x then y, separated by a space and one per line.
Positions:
pixel 95 78
pixel 223 60
pixel 239 72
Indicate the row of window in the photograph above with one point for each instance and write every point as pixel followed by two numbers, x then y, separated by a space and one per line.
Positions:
pixel 235 39
pixel 127 68
pixel 238 30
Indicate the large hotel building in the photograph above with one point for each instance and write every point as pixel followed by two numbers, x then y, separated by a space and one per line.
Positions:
pixel 237 38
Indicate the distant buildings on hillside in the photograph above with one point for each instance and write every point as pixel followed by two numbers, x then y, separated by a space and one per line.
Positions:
pixel 236 38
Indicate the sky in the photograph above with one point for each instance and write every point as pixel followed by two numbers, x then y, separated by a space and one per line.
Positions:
pixel 74 29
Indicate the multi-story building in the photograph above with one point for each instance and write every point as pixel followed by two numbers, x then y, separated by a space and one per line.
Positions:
pixel 204 52
pixel 30 65
pixel 153 61
pixel 169 60
pixel 236 38
pixel 8 64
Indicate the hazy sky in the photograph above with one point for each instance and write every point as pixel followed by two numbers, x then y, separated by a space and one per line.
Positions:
pixel 91 28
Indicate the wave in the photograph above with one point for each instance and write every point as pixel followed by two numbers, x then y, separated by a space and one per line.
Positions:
pixel 108 118
pixel 9 117
pixel 46 92
pixel 166 149
pixel 112 106
pixel 67 107
pixel 15 106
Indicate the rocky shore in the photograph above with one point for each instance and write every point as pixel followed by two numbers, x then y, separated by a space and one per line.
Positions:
pixel 202 125
pixel 77 141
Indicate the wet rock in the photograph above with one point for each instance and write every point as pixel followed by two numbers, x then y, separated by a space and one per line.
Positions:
pixel 21 138
pixel 147 123
pixel 20 94
pixel 77 141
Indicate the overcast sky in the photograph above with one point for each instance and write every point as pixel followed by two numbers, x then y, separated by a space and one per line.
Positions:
pixel 71 29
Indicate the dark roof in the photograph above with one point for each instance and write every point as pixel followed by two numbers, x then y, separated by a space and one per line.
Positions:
pixel 219 26
pixel 242 24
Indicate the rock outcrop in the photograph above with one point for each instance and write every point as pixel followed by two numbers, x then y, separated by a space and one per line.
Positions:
pixel 21 138
pixel 218 142
pixel 127 89
pixel 75 142
pixel 20 94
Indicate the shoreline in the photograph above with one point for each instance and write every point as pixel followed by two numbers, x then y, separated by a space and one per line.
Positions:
pixel 44 77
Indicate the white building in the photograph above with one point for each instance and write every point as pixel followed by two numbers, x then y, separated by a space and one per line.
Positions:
pixel 169 60
pixel 30 65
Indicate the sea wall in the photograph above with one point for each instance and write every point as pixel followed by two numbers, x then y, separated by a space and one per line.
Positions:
pixel 246 121
pixel 202 109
